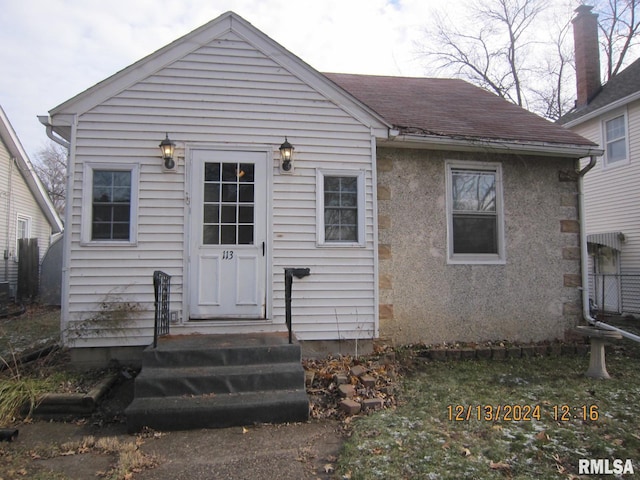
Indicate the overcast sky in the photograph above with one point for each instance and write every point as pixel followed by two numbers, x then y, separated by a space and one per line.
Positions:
pixel 51 50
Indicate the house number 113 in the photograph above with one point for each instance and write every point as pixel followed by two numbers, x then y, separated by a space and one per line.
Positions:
pixel 227 254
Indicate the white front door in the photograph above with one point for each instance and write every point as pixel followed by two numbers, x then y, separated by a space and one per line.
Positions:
pixel 228 250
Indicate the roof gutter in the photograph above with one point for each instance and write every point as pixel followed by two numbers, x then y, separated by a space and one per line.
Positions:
pixel 436 142
pixel 583 259
pixel 59 140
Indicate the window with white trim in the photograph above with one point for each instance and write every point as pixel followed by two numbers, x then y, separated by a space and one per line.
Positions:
pixel 475 231
pixel 340 203
pixel 109 206
pixel 615 140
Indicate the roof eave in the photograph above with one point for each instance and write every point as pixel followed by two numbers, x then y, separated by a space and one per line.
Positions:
pixel 16 150
pixel 434 142
pixel 603 110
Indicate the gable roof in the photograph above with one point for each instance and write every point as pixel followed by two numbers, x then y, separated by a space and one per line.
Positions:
pixel 39 193
pixel 423 112
pixel 621 89
pixel 452 108
pixel 202 36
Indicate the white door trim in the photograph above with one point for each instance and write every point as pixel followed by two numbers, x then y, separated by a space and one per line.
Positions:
pixel 190 178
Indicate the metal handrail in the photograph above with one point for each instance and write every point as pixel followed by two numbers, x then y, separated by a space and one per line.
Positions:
pixel 289 273
pixel 162 290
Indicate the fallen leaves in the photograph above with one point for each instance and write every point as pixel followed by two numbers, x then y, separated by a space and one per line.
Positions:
pixel 324 376
pixel 499 466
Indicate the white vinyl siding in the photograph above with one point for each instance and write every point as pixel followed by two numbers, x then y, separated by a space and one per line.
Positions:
pixel 612 195
pixel 16 202
pixel 224 93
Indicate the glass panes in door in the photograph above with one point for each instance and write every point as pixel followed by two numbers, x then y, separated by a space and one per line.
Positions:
pixel 229 203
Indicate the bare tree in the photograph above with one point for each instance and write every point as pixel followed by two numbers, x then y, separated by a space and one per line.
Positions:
pixel 493 48
pixel 500 47
pixel 51 168
pixel 619 21
pixel 552 92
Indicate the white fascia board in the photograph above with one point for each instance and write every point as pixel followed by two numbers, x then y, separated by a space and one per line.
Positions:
pixel 490 145
pixel 203 36
pixel 603 110
pixel 145 67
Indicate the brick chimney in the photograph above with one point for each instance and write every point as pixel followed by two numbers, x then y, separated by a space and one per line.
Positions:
pixel 587 52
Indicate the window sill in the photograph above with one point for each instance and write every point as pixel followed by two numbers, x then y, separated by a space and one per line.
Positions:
pixel 340 244
pixel 476 260
pixel 108 243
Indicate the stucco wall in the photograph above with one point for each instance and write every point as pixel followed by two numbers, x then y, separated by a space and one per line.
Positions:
pixel 533 297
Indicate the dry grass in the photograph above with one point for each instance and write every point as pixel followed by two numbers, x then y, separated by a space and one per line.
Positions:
pixel 128 459
pixel 19 393
pixel 23 384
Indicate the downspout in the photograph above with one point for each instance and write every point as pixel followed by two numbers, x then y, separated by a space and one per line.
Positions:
pixel 583 259
pixel 7 252
pixel 66 249
pixel 58 140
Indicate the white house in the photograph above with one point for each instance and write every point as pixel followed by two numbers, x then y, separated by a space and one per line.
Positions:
pixel 427 210
pixel 610 116
pixel 25 208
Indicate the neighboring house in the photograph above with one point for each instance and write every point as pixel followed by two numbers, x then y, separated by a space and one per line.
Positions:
pixel 610 116
pixel 427 210
pixel 25 208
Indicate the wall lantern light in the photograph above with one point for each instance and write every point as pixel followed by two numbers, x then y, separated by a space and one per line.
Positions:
pixel 168 147
pixel 286 154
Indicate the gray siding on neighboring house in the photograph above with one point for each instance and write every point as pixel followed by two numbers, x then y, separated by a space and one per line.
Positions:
pixel 534 296
pixel 16 200
pixel 223 93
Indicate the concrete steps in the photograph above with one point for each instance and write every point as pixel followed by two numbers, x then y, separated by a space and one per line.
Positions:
pixel 216 381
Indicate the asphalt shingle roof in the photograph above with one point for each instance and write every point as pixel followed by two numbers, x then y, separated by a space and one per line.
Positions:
pixel 451 108
pixel 626 83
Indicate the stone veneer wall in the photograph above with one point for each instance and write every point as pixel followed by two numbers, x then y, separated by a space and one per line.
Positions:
pixel 533 297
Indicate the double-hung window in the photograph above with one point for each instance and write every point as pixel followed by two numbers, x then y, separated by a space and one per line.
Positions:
pixel 615 140
pixel 475 230
pixel 109 204
pixel 340 208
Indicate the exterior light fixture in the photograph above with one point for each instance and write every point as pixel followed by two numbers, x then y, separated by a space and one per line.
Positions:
pixel 286 154
pixel 168 147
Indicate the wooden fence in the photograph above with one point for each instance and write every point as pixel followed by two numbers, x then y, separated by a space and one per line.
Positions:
pixel 28 270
